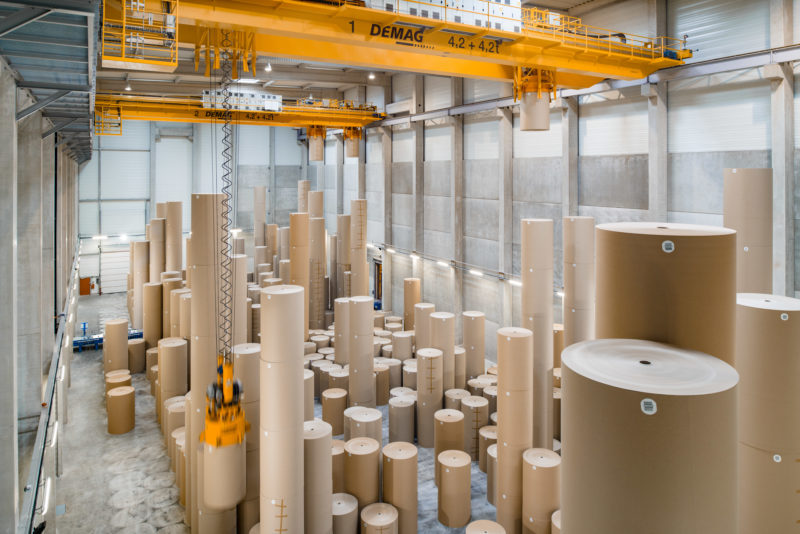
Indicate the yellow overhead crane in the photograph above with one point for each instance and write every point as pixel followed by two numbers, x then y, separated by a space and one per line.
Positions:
pixel 112 109
pixel 549 51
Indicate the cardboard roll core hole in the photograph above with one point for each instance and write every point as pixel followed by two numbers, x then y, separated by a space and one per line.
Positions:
pixel 644 362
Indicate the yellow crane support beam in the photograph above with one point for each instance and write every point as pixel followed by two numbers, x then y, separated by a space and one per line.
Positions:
pixel 112 109
pixel 348 34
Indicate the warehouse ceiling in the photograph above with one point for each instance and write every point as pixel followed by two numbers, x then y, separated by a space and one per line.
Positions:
pixel 49 46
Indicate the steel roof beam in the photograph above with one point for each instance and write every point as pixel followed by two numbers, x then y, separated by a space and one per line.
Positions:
pixel 21 18
pixel 41 104
pixel 55 86
pixel 58 127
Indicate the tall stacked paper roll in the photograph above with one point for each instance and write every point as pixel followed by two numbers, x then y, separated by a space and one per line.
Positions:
pixel 261 256
pixel 578 279
pixel 283 240
pixel 285 269
pixel 189 261
pixel 299 257
pixel 362 382
pixel 318 489
pixel 272 242
pixel 747 208
pixel 667 282
pixel 362 470
pixel 141 275
pixel 491 474
pixel 224 483
pixel 661 419
pixel 448 434
pixel 136 355
pixel 401 345
pixel 422 324
pixel 317 306
pixel 443 332
pixel 282 402
pixel 175 311
pixel 342 251
pixel 366 422
pixel 308 395
pixel 303 188
pixel 400 483
pixel 473 327
pixel 186 315
pixel 342 316
pixel 401 418
pixel 411 296
pixel 358 248
pixel 173 236
pixel 487 436
pixel 332 265
pixel 429 393
pixel 115 345
pixel 315 203
pixel 515 425
pixel 157 249
pixel 454 488
pixel 172 367
pixel 537 316
pixel 558 345
pixel 767 346
pixel 161 210
pixel 246 369
pixel 167 287
pixel 259 215
pixel 239 301
pixel 345 514
pixel 476 416
pixel 541 489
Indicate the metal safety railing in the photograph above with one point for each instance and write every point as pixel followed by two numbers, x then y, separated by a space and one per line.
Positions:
pixel 139 31
pixel 39 488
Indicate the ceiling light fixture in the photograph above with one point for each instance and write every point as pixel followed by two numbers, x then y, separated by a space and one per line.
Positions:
pixel 371 76
pixel 268 68
pixel 127 86
pixel 475 272
pixel 442 264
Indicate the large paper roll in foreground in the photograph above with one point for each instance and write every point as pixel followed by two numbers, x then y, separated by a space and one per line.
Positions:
pixel 537 316
pixel 747 208
pixel 768 361
pixel 667 282
pixel 318 487
pixel 649 440
pixel 400 483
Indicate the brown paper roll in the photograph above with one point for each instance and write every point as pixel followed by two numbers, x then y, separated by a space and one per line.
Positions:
pixel 490 394
pixel 152 314
pixel 767 345
pixel 175 311
pixel 401 345
pixel 337 455
pixel 393 327
pixel 186 315
pixel 157 248
pixel 476 416
pixel 671 283
pixel 116 381
pixel 173 366
pixel 381 384
pixel 334 403
pixel 541 488
pixel 281 491
pixel 151 359
pixel 475 386
pixel 252 413
pixel 281 334
pixel 487 436
pixel 366 422
pixel 379 518
pixel 558 344
pixel 339 379
pixel 121 409
pixel 400 483
pixel 318 488
pixel 578 278
pixel 448 434
pixel 422 326
pixel 680 471
pixel 443 338
pixel 460 367
pixel 747 208
pixel 557 413
pixel 491 473
pixel 400 392
pixel 410 377
pixel 247 513
pixel 136 355
pixel 473 326
pixel 115 345
pixel 362 470
pixel 454 488
pixel 167 287
pixel 362 389
pixel 345 514
pixel 281 382
pixel 246 365
pixel 411 297
pixel 556 522
pixel 176 418
pixel 401 419
pixel 452 398
pixel 141 275
pixel 484 526
pixel 304 186
pixel 429 392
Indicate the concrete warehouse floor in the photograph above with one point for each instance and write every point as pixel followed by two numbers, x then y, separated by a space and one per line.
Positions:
pixel 123 483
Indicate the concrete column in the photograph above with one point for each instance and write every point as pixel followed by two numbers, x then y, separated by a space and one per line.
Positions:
pixel 386 158
pixel 457 200
pixel 657 150
pixel 49 307
pixel 569 156
pixel 782 113
pixel 272 184
pixel 29 268
pixel 418 177
pixel 505 196
pixel 9 453
pixel 656 18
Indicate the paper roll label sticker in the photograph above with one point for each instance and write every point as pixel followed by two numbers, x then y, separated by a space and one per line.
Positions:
pixel 668 246
pixel 649 406
pixel 784 317
pixel 777 458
